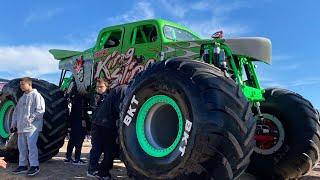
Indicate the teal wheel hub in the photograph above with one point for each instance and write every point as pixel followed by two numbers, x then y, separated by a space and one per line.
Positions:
pixel 159 126
pixel 5 118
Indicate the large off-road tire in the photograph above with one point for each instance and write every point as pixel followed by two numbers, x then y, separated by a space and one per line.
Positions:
pixel 51 139
pixel 289 146
pixel 185 119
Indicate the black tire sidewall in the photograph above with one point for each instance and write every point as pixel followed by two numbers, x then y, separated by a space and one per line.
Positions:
pixel 158 85
pixel 298 131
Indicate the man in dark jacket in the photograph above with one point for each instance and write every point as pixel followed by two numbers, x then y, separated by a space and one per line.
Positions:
pixel 104 129
pixel 78 128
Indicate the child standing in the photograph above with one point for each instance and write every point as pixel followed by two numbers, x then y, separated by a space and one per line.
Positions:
pixel 28 119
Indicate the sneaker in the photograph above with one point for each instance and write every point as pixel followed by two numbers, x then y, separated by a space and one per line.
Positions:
pixel 105 177
pixel 79 162
pixel 68 160
pixel 20 169
pixel 33 170
pixel 92 174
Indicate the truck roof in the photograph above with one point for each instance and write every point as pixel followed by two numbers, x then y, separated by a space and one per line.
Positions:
pixel 159 21
pixel 63 54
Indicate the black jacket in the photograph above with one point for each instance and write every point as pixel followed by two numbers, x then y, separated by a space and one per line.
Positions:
pixel 96 101
pixel 108 112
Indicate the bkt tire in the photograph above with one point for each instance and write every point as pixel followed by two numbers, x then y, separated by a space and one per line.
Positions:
pixel 287 139
pixel 51 139
pixel 185 119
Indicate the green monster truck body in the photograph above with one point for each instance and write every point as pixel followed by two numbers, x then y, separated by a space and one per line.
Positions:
pixel 187 113
pixel 141 43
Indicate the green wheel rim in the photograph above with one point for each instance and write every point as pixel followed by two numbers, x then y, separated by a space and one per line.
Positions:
pixel 3 111
pixel 140 126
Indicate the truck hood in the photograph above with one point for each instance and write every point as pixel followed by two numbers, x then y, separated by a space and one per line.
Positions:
pixel 258 48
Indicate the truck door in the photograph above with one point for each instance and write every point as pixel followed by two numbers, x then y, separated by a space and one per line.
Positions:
pixel 141 48
pixel 108 55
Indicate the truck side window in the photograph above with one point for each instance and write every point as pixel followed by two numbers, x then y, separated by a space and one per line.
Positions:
pixel 113 40
pixel 144 34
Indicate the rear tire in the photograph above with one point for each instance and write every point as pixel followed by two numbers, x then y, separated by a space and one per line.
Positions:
pixel 180 98
pixel 299 150
pixel 51 139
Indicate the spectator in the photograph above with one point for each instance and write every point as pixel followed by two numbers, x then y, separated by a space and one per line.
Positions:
pixel 96 150
pixel 28 120
pixel 104 130
pixel 78 129
pixel 106 117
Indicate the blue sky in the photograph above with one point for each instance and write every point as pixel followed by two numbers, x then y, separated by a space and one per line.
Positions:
pixel 29 28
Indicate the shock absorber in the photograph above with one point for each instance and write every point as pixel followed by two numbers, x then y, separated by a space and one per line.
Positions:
pixel 206 56
pixel 260 116
pixel 223 62
pixel 220 59
pixel 216 54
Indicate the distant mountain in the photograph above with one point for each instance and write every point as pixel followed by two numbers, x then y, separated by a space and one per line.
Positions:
pixel 3 80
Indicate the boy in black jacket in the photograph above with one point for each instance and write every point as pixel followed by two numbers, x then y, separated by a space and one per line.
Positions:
pixel 78 129
pixel 104 130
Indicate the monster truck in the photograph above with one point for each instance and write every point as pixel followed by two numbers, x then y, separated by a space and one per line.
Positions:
pixel 194 108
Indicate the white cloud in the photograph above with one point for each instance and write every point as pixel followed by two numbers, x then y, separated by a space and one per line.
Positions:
pixel 272 81
pixel 221 8
pixel 305 82
pixel 175 8
pixel 142 10
pixel 87 41
pixel 32 60
pixel 289 67
pixel 203 17
pixel 201 5
pixel 207 17
pixel 42 15
pixel 274 84
pixel 206 28
pixel 281 57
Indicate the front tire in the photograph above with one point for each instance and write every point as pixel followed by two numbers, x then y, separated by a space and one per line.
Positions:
pixel 185 119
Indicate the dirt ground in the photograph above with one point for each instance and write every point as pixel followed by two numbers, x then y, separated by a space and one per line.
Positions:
pixel 56 169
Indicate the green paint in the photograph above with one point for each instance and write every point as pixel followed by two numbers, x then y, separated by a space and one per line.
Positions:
pixel 140 126
pixel 65 83
pixel 3 111
pixel 251 89
pixel 253 94
pixel 63 54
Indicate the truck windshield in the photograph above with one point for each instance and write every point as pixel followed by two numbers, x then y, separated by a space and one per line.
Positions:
pixel 177 34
